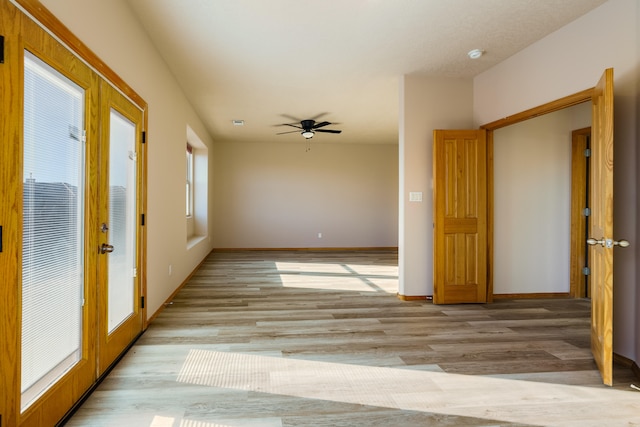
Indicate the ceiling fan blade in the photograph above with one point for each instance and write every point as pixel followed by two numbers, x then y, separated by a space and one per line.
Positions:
pixel 317 116
pixel 287 116
pixel 291 131
pixel 292 125
pixel 321 124
pixel 327 130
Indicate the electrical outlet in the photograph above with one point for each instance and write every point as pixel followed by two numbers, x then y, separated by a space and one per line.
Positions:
pixel 319 235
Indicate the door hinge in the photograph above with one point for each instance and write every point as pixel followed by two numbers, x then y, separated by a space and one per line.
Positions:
pixel 135 272
pixel 1 56
pixel 144 137
pixel 586 271
pixel 0 238
pixel 586 211
pixel 142 219
pixel 141 302
pixel 587 152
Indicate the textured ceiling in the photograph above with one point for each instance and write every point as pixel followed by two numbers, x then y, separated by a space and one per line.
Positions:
pixel 272 62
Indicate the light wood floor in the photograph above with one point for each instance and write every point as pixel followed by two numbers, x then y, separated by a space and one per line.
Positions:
pixel 283 339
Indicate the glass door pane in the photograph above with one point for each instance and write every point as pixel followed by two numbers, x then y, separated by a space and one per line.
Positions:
pixel 122 214
pixel 53 224
pixel 120 316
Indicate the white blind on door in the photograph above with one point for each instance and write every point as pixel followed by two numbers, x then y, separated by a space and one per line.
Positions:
pixel 53 224
pixel 122 218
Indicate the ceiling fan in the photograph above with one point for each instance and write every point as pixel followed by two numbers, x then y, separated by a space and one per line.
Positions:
pixel 309 127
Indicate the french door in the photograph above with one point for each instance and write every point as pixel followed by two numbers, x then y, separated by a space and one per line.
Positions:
pixel 71 239
pixel 57 264
pixel 120 317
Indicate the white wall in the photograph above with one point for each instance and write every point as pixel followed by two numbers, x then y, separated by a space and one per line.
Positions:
pixel 567 61
pixel 532 202
pixel 118 39
pixel 282 195
pixel 426 103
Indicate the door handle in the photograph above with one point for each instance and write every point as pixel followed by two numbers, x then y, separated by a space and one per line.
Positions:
pixel 608 243
pixel 106 249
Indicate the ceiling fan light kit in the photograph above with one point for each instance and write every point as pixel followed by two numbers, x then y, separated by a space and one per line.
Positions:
pixel 308 128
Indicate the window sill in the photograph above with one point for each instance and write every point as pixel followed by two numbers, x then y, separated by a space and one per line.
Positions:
pixel 194 240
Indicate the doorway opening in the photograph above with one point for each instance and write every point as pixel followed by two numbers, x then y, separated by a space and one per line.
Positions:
pixel 557 105
pixel 580 152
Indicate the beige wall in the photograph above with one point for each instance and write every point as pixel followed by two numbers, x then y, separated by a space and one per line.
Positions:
pixel 532 202
pixel 426 103
pixel 567 61
pixel 120 42
pixel 282 196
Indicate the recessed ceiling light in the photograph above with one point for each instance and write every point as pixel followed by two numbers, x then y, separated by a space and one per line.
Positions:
pixel 238 122
pixel 475 53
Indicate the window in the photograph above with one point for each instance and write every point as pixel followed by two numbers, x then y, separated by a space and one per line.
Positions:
pixel 189 192
pixel 197 176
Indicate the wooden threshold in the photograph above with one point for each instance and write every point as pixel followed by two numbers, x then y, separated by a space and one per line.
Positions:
pixel 415 297
pixel 547 295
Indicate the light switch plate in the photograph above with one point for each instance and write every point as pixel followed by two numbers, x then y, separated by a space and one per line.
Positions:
pixel 415 196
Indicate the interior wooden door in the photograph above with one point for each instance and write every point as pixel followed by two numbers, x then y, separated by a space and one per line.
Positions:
pixel 601 226
pixel 120 314
pixel 460 216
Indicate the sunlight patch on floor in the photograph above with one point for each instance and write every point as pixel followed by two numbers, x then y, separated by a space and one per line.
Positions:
pixel 311 267
pixel 413 390
pixel 164 421
pixel 339 283
pixel 378 270
pixel 339 277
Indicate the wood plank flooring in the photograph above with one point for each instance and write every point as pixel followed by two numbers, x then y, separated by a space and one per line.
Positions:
pixel 289 339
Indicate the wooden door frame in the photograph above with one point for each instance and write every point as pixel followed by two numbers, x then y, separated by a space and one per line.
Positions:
pixel 578 219
pixel 550 107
